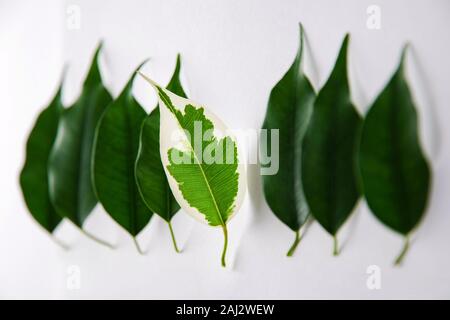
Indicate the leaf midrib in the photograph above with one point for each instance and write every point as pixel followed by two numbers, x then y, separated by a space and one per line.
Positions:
pixel 297 158
pixel 334 165
pixel 398 173
pixel 80 168
pixel 168 201
pixel 131 184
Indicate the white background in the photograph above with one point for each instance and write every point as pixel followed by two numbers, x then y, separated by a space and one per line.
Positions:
pixel 233 53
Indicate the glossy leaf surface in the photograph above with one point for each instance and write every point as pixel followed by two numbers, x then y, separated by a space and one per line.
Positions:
pixel 394 171
pixel 329 151
pixel 289 110
pixel 71 187
pixel 34 175
pixel 116 149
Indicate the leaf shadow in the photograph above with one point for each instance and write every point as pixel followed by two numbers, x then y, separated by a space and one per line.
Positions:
pixel 351 226
pixel 313 69
pixel 433 119
pixel 254 188
pixel 184 243
pixel 307 226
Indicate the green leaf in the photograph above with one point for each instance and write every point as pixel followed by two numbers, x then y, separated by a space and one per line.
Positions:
pixel 204 174
pixel 289 110
pixel 70 182
pixel 34 175
pixel 150 175
pixel 394 171
pixel 329 151
pixel 115 152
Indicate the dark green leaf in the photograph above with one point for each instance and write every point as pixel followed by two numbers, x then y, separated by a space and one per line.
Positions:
pixel 71 187
pixel 394 171
pixel 289 110
pixel 34 175
pixel 115 152
pixel 150 175
pixel 329 151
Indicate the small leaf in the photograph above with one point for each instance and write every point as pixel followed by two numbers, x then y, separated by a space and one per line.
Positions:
pixel 34 175
pixel 329 151
pixel 115 152
pixel 150 175
pixel 289 110
pixel 71 188
pixel 394 172
pixel 202 169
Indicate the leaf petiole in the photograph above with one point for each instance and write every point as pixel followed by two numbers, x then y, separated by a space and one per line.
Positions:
pixel 295 244
pixel 402 254
pixel 173 237
pixel 335 246
pixel 225 244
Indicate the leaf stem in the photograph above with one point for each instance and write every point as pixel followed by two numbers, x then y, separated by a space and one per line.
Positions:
pixel 225 244
pixel 402 254
pixel 173 237
pixel 98 240
pixel 335 246
pixel 138 247
pixel 295 244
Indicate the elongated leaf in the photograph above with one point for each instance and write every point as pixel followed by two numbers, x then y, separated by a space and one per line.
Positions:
pixel 329 151
pixel 394 171
pixel 289 110
pixel 115 152
pixel 34 175
pixel 150 175
pixel 202 169
pixel 70 181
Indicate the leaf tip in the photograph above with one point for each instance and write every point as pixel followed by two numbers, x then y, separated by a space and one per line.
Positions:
pixel 403 54
pixel 62 78
pixel 142 63
pixel 300 26
pixel 138 68
pixel 94 70
pixel 301 35
pixel 343 52
pixel 152 83
pixel 346 40
pixel 177 67
pixel 98 49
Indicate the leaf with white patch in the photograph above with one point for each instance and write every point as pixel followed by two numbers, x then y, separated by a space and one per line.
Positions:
pixel 201 161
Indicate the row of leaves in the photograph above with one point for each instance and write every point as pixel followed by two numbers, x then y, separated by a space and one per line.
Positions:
pixel 109 151
pixel 88 151
pixel 330 155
